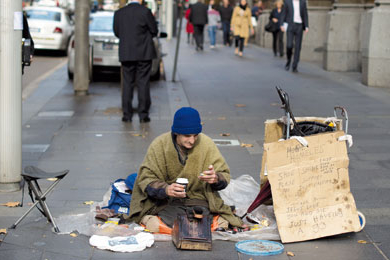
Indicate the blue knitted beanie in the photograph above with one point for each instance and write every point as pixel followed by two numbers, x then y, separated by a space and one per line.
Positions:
pixel 186 121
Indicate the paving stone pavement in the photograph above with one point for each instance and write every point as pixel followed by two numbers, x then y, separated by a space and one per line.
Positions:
pixel 98 148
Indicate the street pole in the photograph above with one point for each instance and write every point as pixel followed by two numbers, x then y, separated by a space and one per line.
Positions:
pixel 11 25
pixel 81 73
pixel 169 19
pixel 177 42
pixel 163 14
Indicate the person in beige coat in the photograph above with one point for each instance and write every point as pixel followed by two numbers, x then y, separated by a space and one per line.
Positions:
pixel 241 24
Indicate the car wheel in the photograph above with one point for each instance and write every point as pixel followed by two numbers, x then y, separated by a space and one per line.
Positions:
pixel 70 75
pixel 156 76
pixel 94 74
pixel 64 52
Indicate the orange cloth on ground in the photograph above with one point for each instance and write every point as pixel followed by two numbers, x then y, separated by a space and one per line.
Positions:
pixel 164 229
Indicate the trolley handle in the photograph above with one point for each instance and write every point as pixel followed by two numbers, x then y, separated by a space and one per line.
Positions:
pixel 344 114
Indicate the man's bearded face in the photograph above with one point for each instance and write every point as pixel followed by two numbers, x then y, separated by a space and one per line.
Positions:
pixel 187 141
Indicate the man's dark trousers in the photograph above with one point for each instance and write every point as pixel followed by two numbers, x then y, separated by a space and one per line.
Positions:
pixel 226 32
pixel 136 71
pixel 198 35
pixel 294 40
pixel 277 42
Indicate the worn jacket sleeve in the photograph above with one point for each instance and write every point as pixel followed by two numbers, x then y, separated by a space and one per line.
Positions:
pixel 272 15
pixel 283 15
pixel 305 16
pixel 221 184
pixel 152 25
pixel 148 171
pixel 116 25
pixel 191 15
pixel 157 190
pixel 207 17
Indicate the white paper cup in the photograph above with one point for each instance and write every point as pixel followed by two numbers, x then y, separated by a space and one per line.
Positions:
pixel 182 181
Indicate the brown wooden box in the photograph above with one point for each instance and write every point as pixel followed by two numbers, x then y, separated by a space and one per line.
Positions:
pixel 192 235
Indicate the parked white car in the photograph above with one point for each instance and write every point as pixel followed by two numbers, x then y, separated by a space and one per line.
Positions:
pixel 50 27
pixel 104 47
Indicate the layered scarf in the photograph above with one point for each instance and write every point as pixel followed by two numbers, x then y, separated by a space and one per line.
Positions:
pixel 243 7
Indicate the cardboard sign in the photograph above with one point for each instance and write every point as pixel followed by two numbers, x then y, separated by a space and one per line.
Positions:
pixel 274 131
pixel 310 187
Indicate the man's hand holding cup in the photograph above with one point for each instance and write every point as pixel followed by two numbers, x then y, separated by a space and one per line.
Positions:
pixel 177 189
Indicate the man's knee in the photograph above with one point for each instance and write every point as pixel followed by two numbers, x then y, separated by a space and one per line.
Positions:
pixel 223 223
pixel 152 223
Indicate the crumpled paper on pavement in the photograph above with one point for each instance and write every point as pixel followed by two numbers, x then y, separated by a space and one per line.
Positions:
pixel 123 244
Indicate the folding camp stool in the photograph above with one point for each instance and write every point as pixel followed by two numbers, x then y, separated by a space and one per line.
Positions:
pixel 31 175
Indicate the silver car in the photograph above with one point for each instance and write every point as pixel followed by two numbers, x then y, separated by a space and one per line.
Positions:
pixel 50 27
pixel 104 47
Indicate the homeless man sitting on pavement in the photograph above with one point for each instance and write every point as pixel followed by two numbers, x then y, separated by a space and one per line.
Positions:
pixel 183 153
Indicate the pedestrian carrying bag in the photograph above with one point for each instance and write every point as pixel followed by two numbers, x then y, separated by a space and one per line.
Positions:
pixel 119 200
pixel 271 27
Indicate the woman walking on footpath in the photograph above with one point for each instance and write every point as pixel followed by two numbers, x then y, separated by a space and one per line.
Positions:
pixel 277 35
pixel 214 18
pixel 189 26
pixel 241 23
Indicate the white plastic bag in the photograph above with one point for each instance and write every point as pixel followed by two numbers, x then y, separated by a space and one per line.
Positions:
pixel 241 192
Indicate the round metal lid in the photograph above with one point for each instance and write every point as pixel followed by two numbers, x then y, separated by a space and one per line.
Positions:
pixel 259 247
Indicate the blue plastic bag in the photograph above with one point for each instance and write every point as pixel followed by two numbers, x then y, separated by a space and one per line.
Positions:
pixel 120 201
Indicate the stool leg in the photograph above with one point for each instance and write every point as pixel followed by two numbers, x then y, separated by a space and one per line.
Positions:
pixel 24 215
pixel 50 217
pixel 41 199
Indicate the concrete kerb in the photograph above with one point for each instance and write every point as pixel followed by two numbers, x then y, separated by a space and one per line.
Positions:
pixel 41 92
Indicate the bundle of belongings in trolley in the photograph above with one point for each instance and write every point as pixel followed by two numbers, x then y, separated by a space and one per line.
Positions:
pixel 182 187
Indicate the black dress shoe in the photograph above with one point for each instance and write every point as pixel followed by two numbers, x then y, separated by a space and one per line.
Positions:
pixel 145 120
pixel 295 70
pixel 126 120
pixel 287 67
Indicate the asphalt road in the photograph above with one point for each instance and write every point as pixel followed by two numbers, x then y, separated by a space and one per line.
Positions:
pixel 44 62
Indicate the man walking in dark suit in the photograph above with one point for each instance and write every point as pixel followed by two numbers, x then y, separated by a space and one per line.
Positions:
pixel 226 11
pixel 198 17
pixel 294 16
pixel 135 27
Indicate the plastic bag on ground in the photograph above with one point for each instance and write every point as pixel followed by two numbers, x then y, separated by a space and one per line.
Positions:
pixel 266 230
pixel 123 244
pixel 82 223
pixel 241 192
